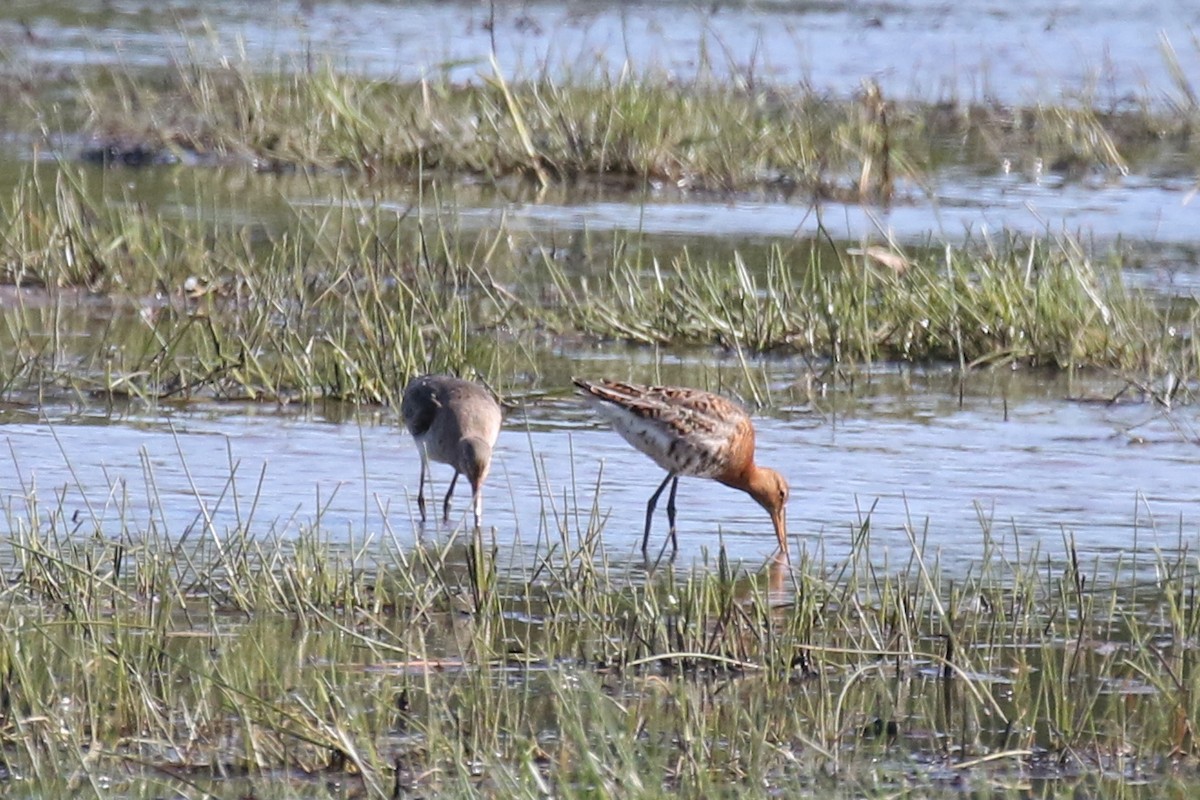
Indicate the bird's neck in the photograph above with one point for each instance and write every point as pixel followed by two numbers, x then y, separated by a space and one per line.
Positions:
pixel 744 477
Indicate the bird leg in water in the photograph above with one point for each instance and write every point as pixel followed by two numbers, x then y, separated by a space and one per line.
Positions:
pixel 449 494
pixel 421 489
pixel 650 510
pixel 671 517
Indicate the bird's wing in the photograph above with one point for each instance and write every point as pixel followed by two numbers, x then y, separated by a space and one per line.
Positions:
pixel 688 431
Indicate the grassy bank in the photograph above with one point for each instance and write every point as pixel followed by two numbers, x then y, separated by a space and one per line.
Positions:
pixel 148 662
pixel 348 301
pixel 699 134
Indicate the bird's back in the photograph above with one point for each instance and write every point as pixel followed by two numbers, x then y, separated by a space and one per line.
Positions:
pixel 441 410
pixel 685 431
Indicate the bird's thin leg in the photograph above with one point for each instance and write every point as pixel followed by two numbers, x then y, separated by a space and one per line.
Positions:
pixel 671 517
pixel 650 511
pixel 449 494
pixel 421 488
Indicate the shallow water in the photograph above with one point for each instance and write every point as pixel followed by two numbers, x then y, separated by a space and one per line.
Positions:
pixel 961 206
pixel 977 50
pixel 1013 453
pixel 1155 219
pixel 1110 476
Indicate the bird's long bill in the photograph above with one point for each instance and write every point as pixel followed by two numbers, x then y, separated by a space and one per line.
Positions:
pixel 477 501
pixel 779 519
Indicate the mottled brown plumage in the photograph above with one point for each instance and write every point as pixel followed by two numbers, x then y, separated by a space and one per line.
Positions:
pixel 690 432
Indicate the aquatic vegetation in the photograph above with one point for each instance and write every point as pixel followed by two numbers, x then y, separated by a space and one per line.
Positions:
pixel 349 302
pixel 706 134
pixel 234 655
pixel 138 659
pixel 1042 302
pixel 233 314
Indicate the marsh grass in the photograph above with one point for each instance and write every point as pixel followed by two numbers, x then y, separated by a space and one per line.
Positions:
pixel 346 302
pixel 167 309
pixel 276 656
pixel 1041 302
pixel 704 133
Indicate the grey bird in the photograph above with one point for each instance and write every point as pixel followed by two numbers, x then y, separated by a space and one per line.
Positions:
pixel 454 422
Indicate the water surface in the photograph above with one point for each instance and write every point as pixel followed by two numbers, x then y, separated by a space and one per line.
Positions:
pixel 976 50
pixel 1035 471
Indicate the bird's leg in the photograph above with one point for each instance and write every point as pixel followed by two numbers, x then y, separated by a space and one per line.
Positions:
pixel 421 488
pixel 449 494
pixel 650 511
pixel 671 517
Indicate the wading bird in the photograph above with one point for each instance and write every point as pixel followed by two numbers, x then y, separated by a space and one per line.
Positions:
pixel 690 432
pixel 454 422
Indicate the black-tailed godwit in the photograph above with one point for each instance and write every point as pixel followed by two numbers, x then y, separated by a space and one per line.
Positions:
pixel 454 422
pixel 690 432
